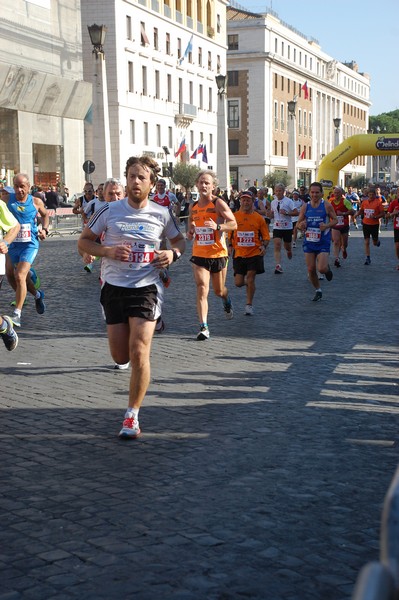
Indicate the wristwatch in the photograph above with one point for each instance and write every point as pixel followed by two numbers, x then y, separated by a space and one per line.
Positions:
pixel 218 227
pixel 44 229
pixel 176 255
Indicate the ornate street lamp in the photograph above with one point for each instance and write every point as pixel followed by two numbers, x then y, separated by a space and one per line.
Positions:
pixel 97 35
pixel 337 123
pixel 221 83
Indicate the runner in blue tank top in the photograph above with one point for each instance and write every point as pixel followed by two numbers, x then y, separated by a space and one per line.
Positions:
pixel 316 218
pixel 22 252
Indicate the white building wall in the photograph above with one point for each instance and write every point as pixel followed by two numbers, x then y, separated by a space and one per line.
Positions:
pixel 125 106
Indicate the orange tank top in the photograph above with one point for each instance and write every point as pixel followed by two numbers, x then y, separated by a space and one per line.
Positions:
pixel 207 242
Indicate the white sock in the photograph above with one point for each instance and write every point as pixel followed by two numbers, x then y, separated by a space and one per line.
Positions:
pixel 37 295
pixel 132 412
pixel 17 312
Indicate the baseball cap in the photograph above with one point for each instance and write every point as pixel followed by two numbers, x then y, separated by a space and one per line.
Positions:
pixel 248 194
pixel 8 189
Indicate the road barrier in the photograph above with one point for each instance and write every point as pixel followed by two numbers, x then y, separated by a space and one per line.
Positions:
pixel 64 222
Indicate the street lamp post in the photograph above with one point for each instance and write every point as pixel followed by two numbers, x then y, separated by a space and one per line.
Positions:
pixel 101 133
pixel 377 178
pixel 337 125
pixel 222 157
pixel 292 171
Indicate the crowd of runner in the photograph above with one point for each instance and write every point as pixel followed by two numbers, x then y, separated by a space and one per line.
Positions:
pixel 135 235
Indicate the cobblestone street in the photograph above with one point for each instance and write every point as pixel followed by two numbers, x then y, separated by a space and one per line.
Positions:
pixel 265 455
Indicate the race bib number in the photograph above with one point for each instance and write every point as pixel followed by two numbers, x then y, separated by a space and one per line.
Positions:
pixel 204 236
pixel 141 253
pixel 282 223
pixel 369 213
pixel 245 238
pixel 313 234
pixel 24 234
pixel 340 221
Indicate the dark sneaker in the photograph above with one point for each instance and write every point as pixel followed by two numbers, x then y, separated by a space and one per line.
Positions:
pixel 329 275
pixel 344 254
pixel 367 261
pixel 9 336
pixel 40 306
pixel 337 262
pixel 318 296
pixel 278 270
pixel 378 244
pixel 203 334
pixel 130 428
pixel 228 308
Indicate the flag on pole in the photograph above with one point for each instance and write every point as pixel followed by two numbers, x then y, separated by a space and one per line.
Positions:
pixel 182 148
pixel 306 90
pixel 200 150
pixel 188 50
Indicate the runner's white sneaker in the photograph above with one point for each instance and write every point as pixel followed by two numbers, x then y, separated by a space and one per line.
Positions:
pixel 130 427
pixel 121 367
pixel 249 311
pixel 203 334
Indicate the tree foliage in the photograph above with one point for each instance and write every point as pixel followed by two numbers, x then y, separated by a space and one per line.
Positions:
pixel 273 177
pixel 185 175
pixel 387 122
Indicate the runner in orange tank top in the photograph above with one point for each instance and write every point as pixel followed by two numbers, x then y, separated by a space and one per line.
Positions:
pixel 249 242
pixel 210 218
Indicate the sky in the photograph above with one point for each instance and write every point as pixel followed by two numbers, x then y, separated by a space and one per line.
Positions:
pixel 365 31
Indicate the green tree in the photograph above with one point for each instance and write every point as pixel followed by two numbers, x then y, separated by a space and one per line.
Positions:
pixel 387 122
pixel 185 175
pixel 273 177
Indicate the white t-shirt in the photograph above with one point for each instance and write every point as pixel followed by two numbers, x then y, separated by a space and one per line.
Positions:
pixel 282 221
pixel 93 206
pixel 142 230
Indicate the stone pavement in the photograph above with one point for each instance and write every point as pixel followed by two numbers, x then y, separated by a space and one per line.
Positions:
pixel 266 451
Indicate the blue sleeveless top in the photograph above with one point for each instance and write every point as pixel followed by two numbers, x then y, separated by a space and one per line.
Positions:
pixel 26 214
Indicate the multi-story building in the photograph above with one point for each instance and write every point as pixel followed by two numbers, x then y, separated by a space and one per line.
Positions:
pixel 161 61
pixel 43 98
pixel 269 64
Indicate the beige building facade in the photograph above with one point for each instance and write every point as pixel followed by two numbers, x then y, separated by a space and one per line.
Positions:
pixel 269 64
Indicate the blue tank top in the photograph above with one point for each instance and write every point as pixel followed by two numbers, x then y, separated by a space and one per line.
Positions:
pixel 26 214
pixel 315 216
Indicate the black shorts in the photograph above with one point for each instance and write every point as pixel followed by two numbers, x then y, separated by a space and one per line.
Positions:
pixel 242 265
pixel 342 229
pixel 120 303
pixel 396 235
pixel 284 234
pixel 213 265
pixel 370 230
